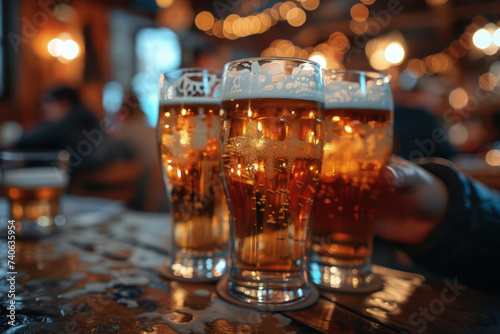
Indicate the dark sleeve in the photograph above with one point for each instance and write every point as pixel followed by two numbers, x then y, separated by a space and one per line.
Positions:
pixel 419 134
pixel 61 134
pixel 47 136
pixel 466 244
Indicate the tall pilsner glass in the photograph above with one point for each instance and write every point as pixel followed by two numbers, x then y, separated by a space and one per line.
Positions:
pixel 358 143
pixel 189 128
pixel 273 112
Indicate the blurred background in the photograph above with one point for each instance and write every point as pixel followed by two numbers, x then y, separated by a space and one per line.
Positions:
pixel 443 56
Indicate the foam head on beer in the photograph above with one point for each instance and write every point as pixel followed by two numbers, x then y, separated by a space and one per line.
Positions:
pixel 365 94
pixel 268 78
pixel 261 87
pixel 183 85
pixel 35 177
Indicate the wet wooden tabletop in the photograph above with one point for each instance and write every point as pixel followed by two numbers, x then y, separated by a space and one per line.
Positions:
pixel 102 274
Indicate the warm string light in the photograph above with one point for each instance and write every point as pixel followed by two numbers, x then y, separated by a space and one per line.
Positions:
pixel 328 54
pixel 487 38
pixel 236 26
pixel 64 48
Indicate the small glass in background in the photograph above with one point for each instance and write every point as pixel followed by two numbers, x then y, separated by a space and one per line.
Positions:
pixel 33 182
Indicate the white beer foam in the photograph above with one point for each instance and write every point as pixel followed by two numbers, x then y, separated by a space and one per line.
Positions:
pixel 36 177
pixel 269 80
pixel 374 95
pixel 190 100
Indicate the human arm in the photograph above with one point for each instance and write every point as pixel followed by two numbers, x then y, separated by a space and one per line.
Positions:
pixel 461 241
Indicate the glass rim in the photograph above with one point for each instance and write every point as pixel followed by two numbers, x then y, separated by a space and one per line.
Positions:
pixel 371 74
pixel 252 59
pixel 193 69
pixel 31 154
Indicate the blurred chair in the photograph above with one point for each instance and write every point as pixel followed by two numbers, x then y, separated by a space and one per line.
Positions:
pixel 118 180
pixel 142 141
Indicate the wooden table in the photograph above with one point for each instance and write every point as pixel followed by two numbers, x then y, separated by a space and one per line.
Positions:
pixel 103 275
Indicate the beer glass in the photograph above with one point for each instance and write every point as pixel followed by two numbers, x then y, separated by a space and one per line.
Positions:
pixel 358 143
pixel 272 111
pixel 189 128
pixel 33 182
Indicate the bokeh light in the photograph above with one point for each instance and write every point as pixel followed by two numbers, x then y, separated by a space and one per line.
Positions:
pixel 495 69
pixel 394 53
pixel 493 157
pixel 488 81
pixel 458 134
pixel 482 39
pixel 310 4
pixel 378 61
pixel 64 48
pixel 496 37
pixel 416 68
pixel 55 47
pixel 164 3
pixel 204 20
pixel 359 12
pixel 319 58
pixel 458 98
pixel 339 42
pixel 64 12
pixel 285 8
pixel 70 50
pixel 296 17
pixel 112 96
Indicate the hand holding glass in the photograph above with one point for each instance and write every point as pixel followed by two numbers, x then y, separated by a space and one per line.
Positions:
pixel 358 143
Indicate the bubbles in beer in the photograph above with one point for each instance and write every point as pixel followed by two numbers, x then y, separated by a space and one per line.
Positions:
pixel 357 145
pixel 253 147
pixel 271 161
pixel 190 156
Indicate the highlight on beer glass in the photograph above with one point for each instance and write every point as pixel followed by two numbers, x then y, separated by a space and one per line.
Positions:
pixel 33 182
pixel 189 129
pixel 358 143
pixel 273 111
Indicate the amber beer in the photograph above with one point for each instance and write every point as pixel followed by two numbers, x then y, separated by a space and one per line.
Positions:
pixel 272 140
pixel 34 196
pixel 271 166
pixel 358 143
pixel 189 145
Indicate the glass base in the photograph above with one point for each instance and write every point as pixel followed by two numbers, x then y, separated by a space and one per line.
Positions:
pixel 351 279
pixel 196 268
pixel 225 289
pixel 42 227
pixel 266 288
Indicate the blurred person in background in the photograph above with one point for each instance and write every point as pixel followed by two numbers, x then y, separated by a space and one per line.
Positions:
pixel 99 165
pixel 64 122
pixel 141 138
pixel 67 124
